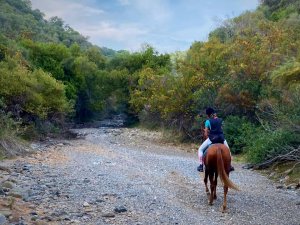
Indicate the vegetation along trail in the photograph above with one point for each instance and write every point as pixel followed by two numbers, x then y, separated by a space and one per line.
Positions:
pixel 53 77
pixel 129 176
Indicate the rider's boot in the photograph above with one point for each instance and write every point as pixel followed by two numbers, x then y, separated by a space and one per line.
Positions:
pixel 200 168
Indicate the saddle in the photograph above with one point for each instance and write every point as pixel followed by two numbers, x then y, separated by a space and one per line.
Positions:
pixel 205 150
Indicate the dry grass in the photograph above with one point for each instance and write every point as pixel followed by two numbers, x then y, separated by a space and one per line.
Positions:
pixel 11 147
pixel 289 172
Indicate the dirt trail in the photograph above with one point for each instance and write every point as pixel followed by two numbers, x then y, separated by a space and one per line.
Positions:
pixel 127 176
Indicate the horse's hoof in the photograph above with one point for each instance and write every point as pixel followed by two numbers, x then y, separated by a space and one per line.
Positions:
pixel 207 193
pixel 210 203
pixel 224 210
pixel 215 197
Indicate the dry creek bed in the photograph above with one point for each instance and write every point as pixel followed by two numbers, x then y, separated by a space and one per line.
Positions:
pixel 128 176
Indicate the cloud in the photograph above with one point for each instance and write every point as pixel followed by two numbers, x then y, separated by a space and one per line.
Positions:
pixel 121 36
pixel 125 24
pixel 117 32
pixel 65 8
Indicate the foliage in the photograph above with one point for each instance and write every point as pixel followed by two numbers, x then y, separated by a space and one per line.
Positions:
pixel 10 144
pixel 287 75
pixel 248 69
pixel 239 133
pixel 280 9
pixel 8 125
pixel 271 144
pixel 34 93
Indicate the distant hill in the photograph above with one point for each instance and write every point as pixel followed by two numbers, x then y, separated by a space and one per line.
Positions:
pixel 19 20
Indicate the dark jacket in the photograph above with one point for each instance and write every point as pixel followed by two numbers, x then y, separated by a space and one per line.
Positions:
pixel 216 134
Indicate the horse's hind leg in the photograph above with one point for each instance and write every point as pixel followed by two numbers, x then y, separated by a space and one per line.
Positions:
pixel 225 199
pixel 205 182
pixel 216 182
pixel 212 188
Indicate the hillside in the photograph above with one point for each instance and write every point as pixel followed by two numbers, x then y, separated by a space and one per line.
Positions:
pixel 248 70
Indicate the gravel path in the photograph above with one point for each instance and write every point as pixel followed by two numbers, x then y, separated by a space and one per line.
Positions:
pixel 127 176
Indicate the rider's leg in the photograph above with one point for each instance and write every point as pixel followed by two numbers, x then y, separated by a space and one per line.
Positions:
pixel 225 143
pixel 201 149
pixel 231 167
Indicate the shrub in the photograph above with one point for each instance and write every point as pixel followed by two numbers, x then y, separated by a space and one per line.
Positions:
pixel 239 133
pixel 35 93
pixel 10 144
pixel 269 144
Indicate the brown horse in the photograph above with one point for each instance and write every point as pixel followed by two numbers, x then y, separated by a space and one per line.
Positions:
pixel 217 162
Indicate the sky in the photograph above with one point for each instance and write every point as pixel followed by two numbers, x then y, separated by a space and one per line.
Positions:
pixel 167 25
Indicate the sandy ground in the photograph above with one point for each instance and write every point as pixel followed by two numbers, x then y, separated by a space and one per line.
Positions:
pixel 129 176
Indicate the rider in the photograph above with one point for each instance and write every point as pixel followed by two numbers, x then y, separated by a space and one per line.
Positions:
pixel 213 133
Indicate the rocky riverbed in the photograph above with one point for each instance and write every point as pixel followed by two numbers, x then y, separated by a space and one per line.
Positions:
pixel 129 176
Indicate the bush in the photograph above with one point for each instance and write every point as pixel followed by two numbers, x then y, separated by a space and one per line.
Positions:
pixel 10 144
pixel 35 93
pixel 239 133
pixel 270 144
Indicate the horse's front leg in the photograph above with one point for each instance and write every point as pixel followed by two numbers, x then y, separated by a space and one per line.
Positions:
pixel 205 182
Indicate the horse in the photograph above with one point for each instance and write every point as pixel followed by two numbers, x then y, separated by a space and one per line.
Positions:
pixel 217 162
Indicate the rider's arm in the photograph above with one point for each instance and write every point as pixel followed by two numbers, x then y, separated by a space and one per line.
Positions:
pixel 206 129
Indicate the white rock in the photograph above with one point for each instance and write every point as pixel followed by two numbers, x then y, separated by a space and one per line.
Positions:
pixel 85 204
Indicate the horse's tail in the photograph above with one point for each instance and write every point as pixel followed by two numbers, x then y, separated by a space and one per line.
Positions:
pixel 221 171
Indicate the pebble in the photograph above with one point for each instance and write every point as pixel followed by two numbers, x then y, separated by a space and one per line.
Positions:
pixel 5 212
pixel 48 218
pixel 88 210
pixel 85 204
pixel 2 219
pixel 7 184
pixel 109 215
pixel 12 180
pixel 247 166
pixel 21 223
pixel 2 192
pixel 40 222
pixel 26 167
pixel 34 218
pixel 99 200
pixel 86 180
pixel 120 209
pixel 57 193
